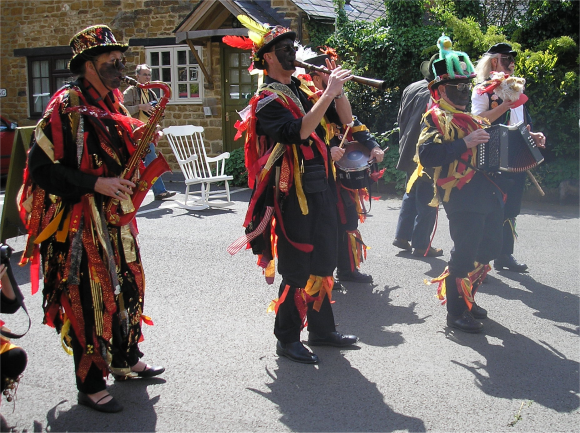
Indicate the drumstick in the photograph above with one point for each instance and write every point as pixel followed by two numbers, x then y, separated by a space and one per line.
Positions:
pixel 535 182
pixel 344 137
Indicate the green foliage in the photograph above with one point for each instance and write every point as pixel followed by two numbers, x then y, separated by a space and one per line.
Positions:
pixel 319 32
pixel 404 13
pixel 391 175
pixel 235 167
pixel 553 101
pixel 548 20
pixel 550 175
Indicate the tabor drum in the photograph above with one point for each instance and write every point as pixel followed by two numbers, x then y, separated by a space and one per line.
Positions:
pixel 354 169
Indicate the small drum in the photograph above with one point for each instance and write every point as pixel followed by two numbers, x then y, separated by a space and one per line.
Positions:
pixel 353 169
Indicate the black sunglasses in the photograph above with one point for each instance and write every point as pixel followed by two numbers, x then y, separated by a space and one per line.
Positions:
pixel 462 86
pixel 287 48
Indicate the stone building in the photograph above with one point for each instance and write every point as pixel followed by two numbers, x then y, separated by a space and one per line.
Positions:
pixel 180 39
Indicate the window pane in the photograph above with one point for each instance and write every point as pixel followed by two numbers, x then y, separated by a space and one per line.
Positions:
pixel 165 58
pixel 245 60
pixel 61 81
pixel 61 64
pixel 234 76
pixel 194 90
pixel 246 91
pixel 166 74
pixel 234 92
pixel 154 59
pixel 36 69
pixel 155 74
pixel 245 75
pixel 192 59
pixel 234 60
pixel 182 74
pixel 36 87
pixel 45 85
pixel 44 68
pixel 182 90
pixel 181 58
pixel 193 74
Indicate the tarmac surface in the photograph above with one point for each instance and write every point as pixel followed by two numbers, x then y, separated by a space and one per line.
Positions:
pixel 408 372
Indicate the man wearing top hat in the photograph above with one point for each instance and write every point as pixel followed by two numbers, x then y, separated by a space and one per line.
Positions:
pixel 472 200
pixel 486 103
pixel 93 276
pixel 416 217
pixel 288 160
pixel 350 202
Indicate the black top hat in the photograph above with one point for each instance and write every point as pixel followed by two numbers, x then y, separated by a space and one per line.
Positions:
pixel 501 48
pixel 318 60
pixel 427 68
pixel 93 41
pixel 270 39
pixel 443 75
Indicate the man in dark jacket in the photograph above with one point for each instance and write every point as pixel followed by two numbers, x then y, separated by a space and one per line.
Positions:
pixel 416 217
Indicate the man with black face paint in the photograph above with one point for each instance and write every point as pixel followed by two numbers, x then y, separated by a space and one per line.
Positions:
pixel 501 58
pixel 93 275
pixel 447 151
pixel 289 168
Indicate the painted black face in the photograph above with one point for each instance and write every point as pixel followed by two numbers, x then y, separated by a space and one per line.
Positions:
pixel 110 72
pixel 459 93
pixel 286 54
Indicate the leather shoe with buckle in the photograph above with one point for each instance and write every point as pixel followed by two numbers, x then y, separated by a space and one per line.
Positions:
pixel 432 252
pixel 147 372
pixel 478 312
pixel 402 244
pixel 465 322
pixel 164 195
pixel 509 262
pixel 111 406
pixel 296 352
pixel 355 276
pixel 335 339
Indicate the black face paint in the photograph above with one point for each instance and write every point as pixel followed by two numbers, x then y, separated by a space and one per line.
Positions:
pixel 286 54
pixel 457 97
pixel 110 73
pixel 506 61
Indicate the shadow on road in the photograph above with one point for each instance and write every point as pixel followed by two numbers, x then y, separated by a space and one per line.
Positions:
pixel 380 314
pixel 138 414
pixel 518 368
pixel 321 398
pixel 549 303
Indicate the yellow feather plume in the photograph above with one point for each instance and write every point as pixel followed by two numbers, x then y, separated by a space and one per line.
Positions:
pixel 256 38
pixel 252 25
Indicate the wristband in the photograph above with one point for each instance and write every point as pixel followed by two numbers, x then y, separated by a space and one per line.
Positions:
pixel 341 95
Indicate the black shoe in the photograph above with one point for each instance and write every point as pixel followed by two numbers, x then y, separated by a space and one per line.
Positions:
pixel 477 312
pixel 149 371
pixel 433 252
pixel 356 276
pixel 111 406
pixel 164 195
pixel 402 244
pixel 296 352
pixel 510 263
pixel 465 322
pixel 335 339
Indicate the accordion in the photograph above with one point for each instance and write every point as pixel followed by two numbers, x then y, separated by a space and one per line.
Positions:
pixel 510 148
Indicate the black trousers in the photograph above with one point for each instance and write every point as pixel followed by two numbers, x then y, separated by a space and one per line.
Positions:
pixel 318 228
pixel 476 237
pixel 352 219
pixel 512 209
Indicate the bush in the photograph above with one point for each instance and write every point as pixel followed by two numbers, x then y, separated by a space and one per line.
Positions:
pixel 235 167
pixel 391 176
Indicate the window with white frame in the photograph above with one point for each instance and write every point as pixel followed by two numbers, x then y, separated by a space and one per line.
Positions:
pixel 178 67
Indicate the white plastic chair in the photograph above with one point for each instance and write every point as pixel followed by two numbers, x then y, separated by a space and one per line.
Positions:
pixel 187 144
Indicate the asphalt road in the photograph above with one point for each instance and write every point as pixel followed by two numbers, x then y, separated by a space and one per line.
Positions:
pixel 407 373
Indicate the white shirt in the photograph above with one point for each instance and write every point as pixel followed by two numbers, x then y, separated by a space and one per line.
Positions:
pixel 480 103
